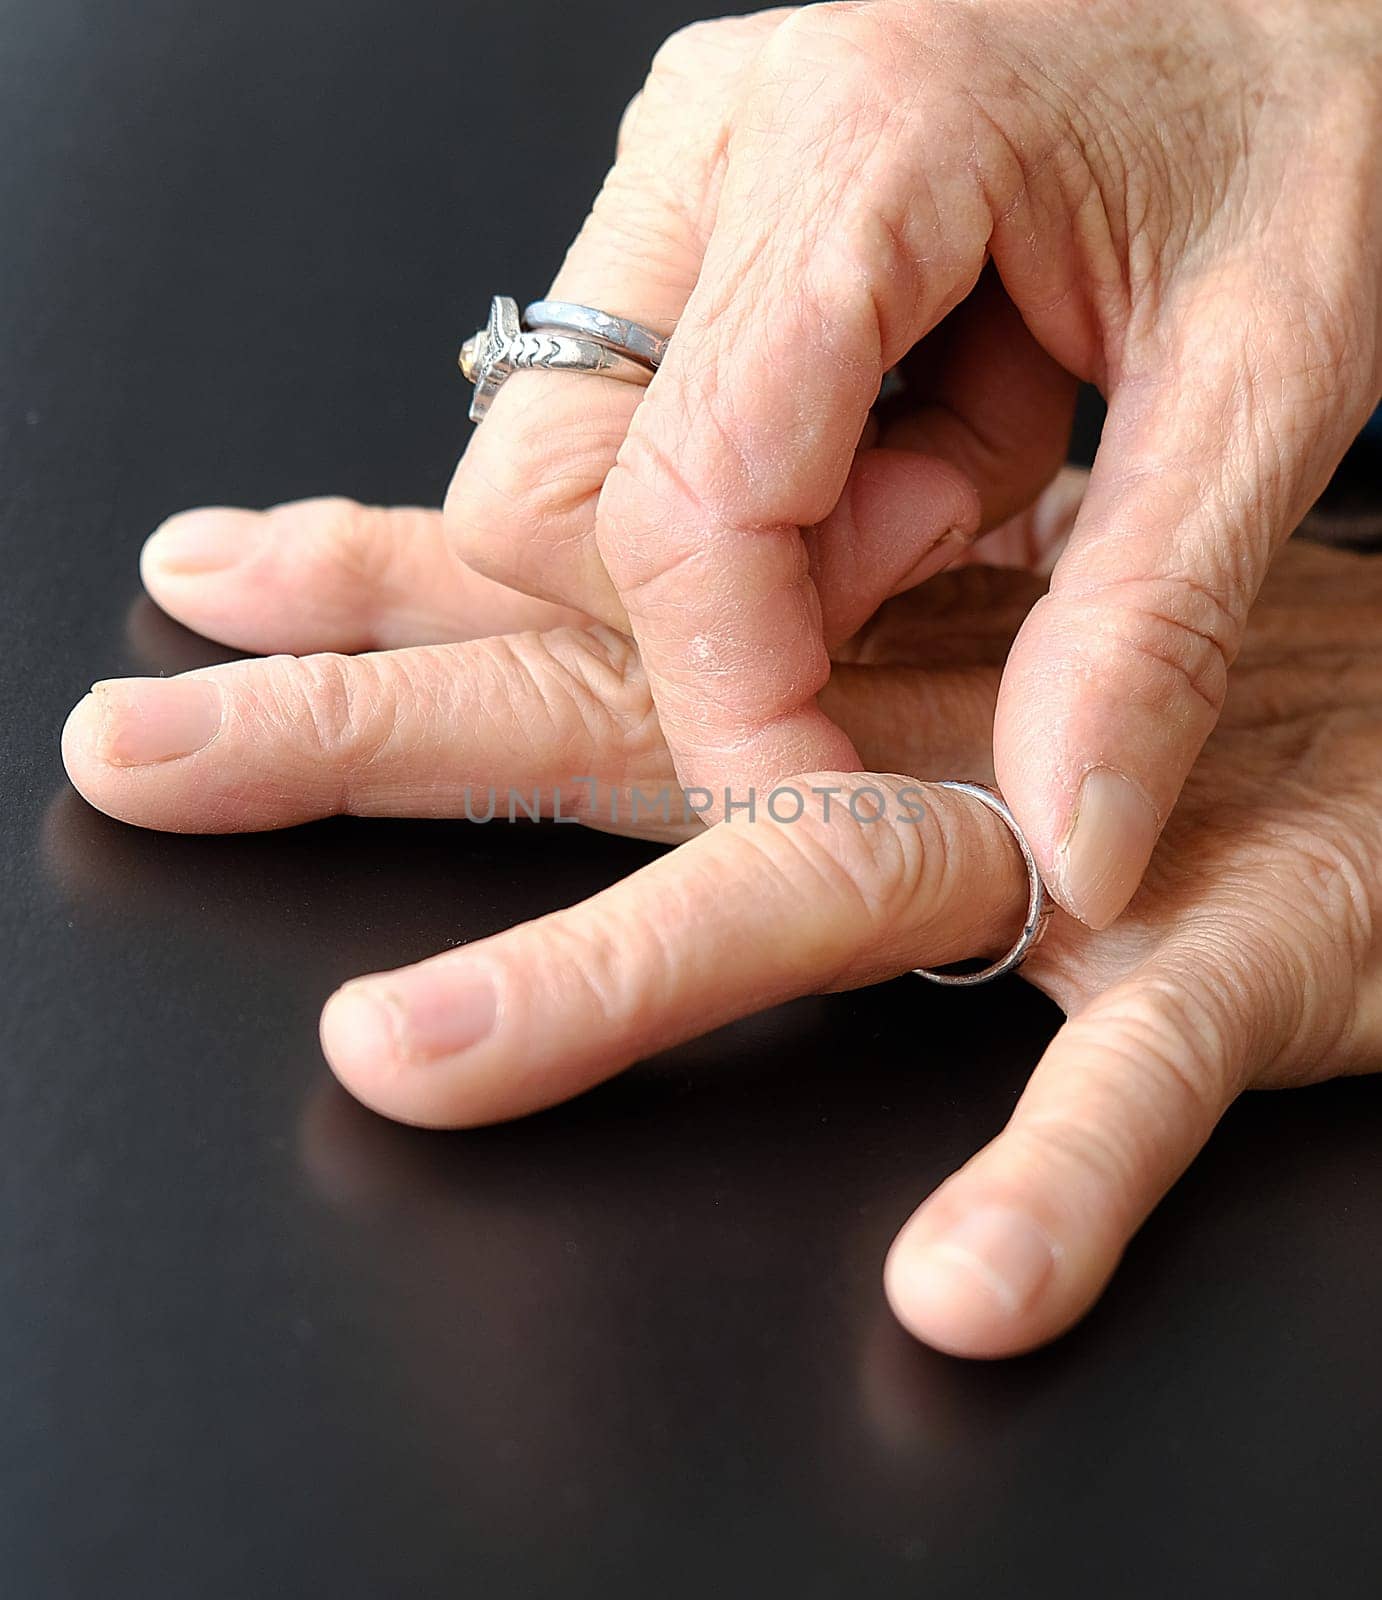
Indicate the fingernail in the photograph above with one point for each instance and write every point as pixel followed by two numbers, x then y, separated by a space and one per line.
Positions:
pixel 144 720
pixel 206 540
pixel 948 548
pixel 999 1250
pixel 1101 861
pixel 431 1011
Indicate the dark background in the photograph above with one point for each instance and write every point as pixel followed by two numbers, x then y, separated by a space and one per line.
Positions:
pixel 255 1341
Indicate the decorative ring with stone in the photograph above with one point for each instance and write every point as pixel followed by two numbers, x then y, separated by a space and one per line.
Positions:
pixel 501 348
pixel 615 333
pixel 1038 901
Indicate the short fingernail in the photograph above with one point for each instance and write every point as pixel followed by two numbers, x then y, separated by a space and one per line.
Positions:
pixel 144 720
pixel 431 1012
pixel 1000 1251
pixel 1102 859
pixel 206 540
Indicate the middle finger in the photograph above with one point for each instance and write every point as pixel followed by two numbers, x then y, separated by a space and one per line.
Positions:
pixel 521 508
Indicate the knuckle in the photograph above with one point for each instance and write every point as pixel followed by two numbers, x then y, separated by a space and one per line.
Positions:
pixel 335 704
pixel 1336 881
pixel 674 136
pixel 841 33
pixel 1314 869
pixel 821 73
pixel 1179 633
pixel 1196 655
pixel 688 460
pixel 587 694
pixel 1321 356
pixel 846 846
pixel 687 49
pixel 657 201
pixel 628 121
pixel 869 247
pixel 351 537
pixel 845 72
pixel 710 51
pixel 1155 1080
pixel 601 966
pixel 645 471
pixel 589 959
pixel 598 669
pixel 1167 1042
pixel 351 552
pixel 1284 923
pixel 1311 920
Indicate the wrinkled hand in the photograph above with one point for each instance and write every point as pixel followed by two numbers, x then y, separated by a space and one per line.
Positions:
pixel 1248 957
pixel 1180 201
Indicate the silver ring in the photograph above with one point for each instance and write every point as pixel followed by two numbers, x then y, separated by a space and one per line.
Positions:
pixel 501 348
pixel 1038 901
pixel 615 333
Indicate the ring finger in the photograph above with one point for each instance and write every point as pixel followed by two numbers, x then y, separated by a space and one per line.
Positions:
pixel 521 507
pixel 328 574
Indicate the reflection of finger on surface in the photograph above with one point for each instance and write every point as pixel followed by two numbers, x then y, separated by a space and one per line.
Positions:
pixel 908 1397
pixel 921 1405
pixel 353 1159
pixel 333 899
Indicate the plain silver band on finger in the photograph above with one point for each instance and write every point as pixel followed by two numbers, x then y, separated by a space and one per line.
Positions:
pixel 1038 901
pixel 631 339
pixel 502 347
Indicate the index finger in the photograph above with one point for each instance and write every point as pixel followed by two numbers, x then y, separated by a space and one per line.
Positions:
pixel 808 293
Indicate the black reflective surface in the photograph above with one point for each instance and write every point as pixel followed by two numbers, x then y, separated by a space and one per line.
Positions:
pixel 255 1341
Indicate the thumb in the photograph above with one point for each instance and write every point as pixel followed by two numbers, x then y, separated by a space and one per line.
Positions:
pixel 1119 674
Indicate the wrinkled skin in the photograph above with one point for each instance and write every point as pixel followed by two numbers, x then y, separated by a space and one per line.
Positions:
pixel 1178 200
pixel 1248 957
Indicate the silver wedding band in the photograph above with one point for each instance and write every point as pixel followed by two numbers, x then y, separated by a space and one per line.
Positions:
pixel 1038 901
pixel 560 337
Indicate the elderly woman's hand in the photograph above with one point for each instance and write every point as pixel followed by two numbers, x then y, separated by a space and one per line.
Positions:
pixel 1249 956
pixel 1179 200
